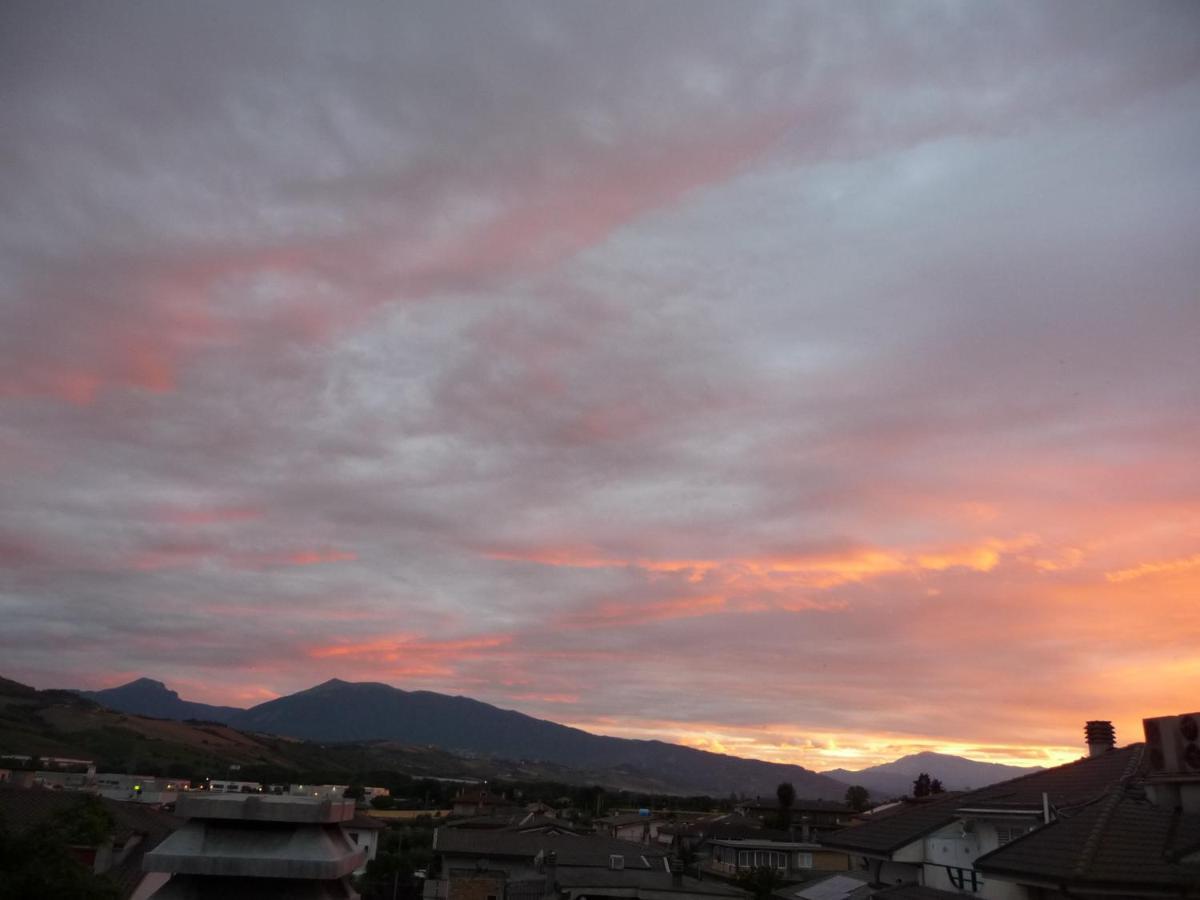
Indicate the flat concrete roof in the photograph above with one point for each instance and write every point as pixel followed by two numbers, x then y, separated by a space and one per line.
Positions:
pixel 264 808
pixel 235 849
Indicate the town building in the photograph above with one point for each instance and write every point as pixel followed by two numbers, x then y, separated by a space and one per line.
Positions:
pixel 635 826
pixel 1117 823
pixel 258 845
pixel 504 865
pixel 135 830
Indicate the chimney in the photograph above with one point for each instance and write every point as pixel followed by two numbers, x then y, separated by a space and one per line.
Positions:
pixel 1100 737
pixel 677 871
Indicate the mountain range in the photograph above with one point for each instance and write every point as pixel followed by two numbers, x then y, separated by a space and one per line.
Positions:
pixel 341 711
pixel 895 779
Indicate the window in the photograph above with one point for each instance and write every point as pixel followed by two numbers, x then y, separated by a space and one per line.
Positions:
pixel 804 861
pixel 1011 833
pixel 965 879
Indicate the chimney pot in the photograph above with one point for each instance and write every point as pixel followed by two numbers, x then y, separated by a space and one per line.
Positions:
pixel 1100 735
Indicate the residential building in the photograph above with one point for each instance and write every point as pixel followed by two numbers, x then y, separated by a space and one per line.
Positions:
pixel 504 865
pixel 136 830
pixel 363 831
pixel 258 845
pixel 1119 822
pixel 635 826
pixel 139 788
pixel 793 860
pixel 226 786
pixel 809 818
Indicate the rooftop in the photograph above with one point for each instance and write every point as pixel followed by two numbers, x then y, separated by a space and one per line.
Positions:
pixel 1066 787
pixel 1122 841
pixel 572 850
pixel 642 880
pixel 265 808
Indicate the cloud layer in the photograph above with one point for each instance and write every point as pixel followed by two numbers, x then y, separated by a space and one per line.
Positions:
pixel 810 383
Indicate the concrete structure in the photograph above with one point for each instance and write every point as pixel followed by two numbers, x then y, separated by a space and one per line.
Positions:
pixel 321 791
pixel 225 786
pixel 793 860
pixel 258 845
pixel 139 788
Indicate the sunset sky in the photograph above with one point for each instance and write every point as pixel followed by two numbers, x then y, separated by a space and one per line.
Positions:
pixel 815 382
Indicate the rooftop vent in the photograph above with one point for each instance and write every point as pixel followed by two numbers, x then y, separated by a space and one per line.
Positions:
pixel 1101 737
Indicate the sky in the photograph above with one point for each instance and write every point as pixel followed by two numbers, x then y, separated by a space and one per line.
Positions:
pixel 816 382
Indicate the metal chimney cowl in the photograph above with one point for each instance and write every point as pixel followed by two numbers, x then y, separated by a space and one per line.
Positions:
pixel 1101 736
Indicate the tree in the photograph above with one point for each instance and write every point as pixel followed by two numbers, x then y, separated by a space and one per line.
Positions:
pixel 786 795
pixel 858 797
pixel 922 786
pixel 935 787
pixel 760 882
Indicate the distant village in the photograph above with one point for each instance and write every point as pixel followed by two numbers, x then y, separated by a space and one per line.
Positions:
pixel 1122 821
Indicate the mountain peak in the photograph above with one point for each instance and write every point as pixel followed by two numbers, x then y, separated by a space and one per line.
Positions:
pixel 146 684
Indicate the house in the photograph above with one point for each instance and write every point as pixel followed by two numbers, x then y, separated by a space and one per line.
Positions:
pixel 793 860
pixel 258 845
pixel 519 820
pixel 810 818
pixel 136 830
pixel 837 886
pixel 1118 822
pixel 364 831
pixel 504 865
pixel 480 803
pixel 638 826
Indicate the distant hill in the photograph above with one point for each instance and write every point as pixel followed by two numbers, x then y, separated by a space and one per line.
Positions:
pixel 340 711
pixel 147 697
pixel 895 779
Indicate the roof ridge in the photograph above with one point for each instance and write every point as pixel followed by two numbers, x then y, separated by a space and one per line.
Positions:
pixel 1137 746
pixel 1092 845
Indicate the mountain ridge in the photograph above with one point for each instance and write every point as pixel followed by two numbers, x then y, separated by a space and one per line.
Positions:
pixel 342 711
pixel 339 711
pixel 956 773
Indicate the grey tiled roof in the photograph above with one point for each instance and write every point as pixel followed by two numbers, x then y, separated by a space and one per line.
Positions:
pixel 572 850
pixel 894 829
pixel 1121 841
pixel 657 881
pixel 1066 787
pixel 915 892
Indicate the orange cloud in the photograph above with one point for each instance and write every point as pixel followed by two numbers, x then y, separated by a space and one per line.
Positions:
pixel 650 611
pixel 1168 567
pixel 414 654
